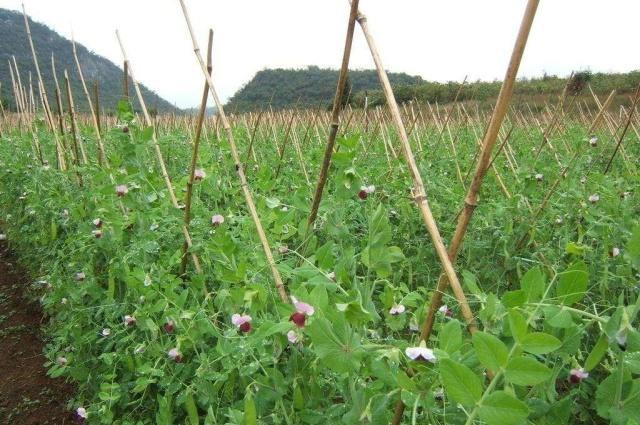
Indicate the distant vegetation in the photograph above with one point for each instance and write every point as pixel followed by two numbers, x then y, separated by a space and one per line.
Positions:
pixel 310 87
pixel 94 67
pixel 315 87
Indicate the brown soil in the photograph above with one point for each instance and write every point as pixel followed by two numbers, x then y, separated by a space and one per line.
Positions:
pixel 27 395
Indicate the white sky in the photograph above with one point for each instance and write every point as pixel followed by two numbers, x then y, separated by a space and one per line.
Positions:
pixel 436 39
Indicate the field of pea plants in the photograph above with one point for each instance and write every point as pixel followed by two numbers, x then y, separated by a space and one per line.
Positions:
pixel 436 264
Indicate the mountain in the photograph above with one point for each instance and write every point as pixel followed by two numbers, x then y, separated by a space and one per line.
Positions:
pixel 14 41
pixel 310 87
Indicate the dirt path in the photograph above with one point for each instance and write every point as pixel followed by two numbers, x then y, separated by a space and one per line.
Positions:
pixel 27 395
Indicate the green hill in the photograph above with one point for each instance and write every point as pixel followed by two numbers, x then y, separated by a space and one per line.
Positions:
pixel 14 41
pixel 310 87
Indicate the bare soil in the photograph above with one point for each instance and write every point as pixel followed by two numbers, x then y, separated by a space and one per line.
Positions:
pixel 27 395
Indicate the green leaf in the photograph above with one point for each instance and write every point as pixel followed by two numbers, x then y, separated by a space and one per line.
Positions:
pixel 501 408
pixel 461 383
pixel 192 410
pixel 533 283
pixel 597 353
pixel 517 324
pixel 572 283
pixel 515 298
pixel 491 352
pixel 250 412
pixel 146 134
pixel 450 337
pixel 335 343
pixel 633 246
pixel 540 343
pixel 526 371
pixel 406 383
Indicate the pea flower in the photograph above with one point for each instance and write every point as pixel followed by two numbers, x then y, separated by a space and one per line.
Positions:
pixel 175 355
pixel 594 198
pixel 62 361
pixel 397 309
pixel 283 249
pixel 332 275
pixel 106 332
pixel 97 233
pixel 3 237
pixel 446 311
pixel 199 175
pixel 97 222
pixel 365 191
pixel 80 276
pixel 122 190
pixel 421 353
pixel 129 320
pixel 293 337
pixel 217 220
pixel 242 322
pixel 593 141
pixel 169 326
pixel 614 252
pixel 303 310
pixel 82 414
pixel 539 177
pixel 577 375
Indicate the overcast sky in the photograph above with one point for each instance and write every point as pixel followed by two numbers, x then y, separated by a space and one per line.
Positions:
pixel 436 39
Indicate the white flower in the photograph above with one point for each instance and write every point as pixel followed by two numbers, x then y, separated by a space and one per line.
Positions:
pixel 217 220
pixel 97 222
pixel 593 141
pixel 199 175
pixel 559 220
pixel 82 412
pixel 292 336
pixel 615 251
pixel 122 190
pixel 129 320
pixel 62 361
pixel 63 301
pixel 539 177
pixel 331 275
pixel 139 349
pixel 397 309
pixel 420 353
pixel 3 237
pixel 445 310
pixel 147 280
pixel 80 276
pixel 174 354
pixel 283 249
pixel 284 209
pixel 106 332
pixel 594 198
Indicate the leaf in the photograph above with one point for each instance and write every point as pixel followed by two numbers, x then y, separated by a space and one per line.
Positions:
pixel 250 412
pixel 515 298
pixel 572 283
pixel 192 410
pixel 501 408
pixel 146 134
pixel 540 343
pixel 461 383
pixel 597 353
pixel 526 371
pixel 633 246
pixel 335 344
pixel 491 352
pixel 533 283
pixel 163 414
pixel 406 383
pixel 517 324
pixel 450 337
pixel 272 202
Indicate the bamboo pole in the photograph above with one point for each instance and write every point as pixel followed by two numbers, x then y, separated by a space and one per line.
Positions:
pixel 238 164
pixel 74 130
pixel 626 128
pixel 335 118
pixel 194 154
pixel 156 145
pixel 471 200
pixel 96 126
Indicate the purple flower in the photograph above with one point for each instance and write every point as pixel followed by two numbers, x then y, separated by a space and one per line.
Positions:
pixel 217 220
pixel 577 375
pixel 242 322
pixel 420 353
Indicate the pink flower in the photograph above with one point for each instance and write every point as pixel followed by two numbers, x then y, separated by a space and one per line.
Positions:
pixel 397 309
pixel 365 191
pixel 283 249
pixel 242 322
pixel 129 320
pixel 169 326
pixel 175 355
pixel 293 337
pixel 577 375
pixel 122 190
pixel 299 317
pixel 199 175
pixel 97 222
pixel 420 353
pixel 217 220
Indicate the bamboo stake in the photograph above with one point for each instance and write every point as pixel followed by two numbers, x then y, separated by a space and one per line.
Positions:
pixel 194 155
pixel 74 133
pixel 156 145
pixel 238 164
pixel 418 186
pixel 471 200
pixel 96 126
pixel 624 131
